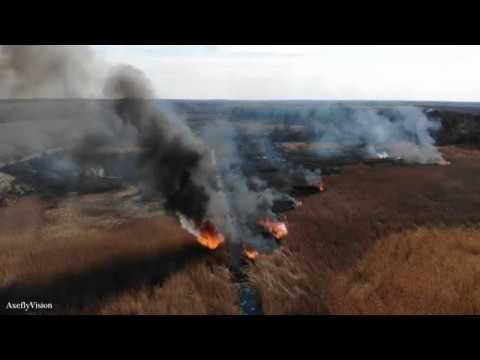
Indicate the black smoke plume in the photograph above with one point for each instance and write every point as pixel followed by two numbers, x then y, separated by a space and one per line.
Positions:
pixel 174 161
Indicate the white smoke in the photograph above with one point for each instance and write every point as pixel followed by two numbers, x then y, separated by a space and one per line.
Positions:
pixel 236 205
pixel 188 225
pixel 400 132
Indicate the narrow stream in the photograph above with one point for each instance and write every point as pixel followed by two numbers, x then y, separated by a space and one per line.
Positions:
pixel 249 299
pixel 248 295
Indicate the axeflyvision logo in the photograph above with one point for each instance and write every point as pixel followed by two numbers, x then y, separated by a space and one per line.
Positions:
pixel 28 305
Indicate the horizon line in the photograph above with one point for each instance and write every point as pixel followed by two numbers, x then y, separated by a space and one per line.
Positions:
pixel 248 100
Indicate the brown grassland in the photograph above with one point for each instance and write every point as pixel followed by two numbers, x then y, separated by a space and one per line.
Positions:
pixel 384 240
pixel 105 264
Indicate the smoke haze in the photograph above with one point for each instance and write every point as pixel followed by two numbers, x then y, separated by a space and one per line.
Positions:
pixel 196 176
pixel 401 132
pixel 47 71
pixel 239 201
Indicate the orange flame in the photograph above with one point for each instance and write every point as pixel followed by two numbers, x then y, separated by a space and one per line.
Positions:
pixel 277 228
pixel 250 253
pixel 208 235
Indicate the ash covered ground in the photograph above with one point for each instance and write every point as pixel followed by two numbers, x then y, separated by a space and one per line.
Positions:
pixel 373 218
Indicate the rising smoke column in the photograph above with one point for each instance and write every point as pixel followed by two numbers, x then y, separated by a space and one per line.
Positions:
pixel 191 179
pixel 174 161
pixel 239 201
pixel 196 181
pixel 175 164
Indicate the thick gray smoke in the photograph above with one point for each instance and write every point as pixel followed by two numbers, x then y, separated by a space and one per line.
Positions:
pixel 46 71
pixel 175 165
pixel 197 177
pixel 174 162
pixel 399 132
pixel 32 126
pixel 239 201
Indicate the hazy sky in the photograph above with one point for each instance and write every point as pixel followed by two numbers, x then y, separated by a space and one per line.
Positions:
pixel 306 72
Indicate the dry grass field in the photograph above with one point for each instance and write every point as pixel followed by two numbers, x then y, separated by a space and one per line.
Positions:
pixel 383 240
pixel 86 263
